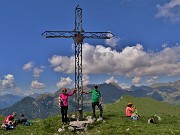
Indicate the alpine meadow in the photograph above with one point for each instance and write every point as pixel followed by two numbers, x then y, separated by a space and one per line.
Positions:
pixel 115 122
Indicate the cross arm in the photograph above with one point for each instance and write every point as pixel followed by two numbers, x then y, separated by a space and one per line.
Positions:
pixel 98 35
pixel 71 34
pixel 58 34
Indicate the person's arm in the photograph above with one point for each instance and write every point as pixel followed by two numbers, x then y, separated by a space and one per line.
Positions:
pixel 100 99
pixel 133 109
pixel 85 92
pixel 59 99
pixel 71 93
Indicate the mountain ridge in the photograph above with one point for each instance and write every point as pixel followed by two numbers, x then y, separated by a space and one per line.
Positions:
pixel 115 121
pixel 46 105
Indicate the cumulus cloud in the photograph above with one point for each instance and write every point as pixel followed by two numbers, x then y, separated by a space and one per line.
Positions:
pixel 37 85
pixel 152 79
pixel 136 80
pixel 111 80
pixel 164 45
pixel 37 71
pixel 7 82
pixel 124 85
pixel 62 63
pixel 170 10
pixel 131 61
pixel 85 80
pixel 7 85
pixel 28 66
pixel 64 82
pixel 113 41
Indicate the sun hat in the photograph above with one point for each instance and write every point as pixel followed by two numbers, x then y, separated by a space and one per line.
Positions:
pixel 129 104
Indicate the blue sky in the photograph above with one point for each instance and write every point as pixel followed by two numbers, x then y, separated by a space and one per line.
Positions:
pixel 144 50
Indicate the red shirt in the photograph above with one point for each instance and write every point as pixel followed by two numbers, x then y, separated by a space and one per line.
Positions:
pixel 129 111
pixel 8 118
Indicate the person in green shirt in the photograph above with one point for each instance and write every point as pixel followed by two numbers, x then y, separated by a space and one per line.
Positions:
pixel 96 100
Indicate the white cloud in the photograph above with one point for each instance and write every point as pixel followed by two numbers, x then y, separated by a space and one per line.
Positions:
pixel 7 85
pixel 170 10
pixel 7 82
pixel 164 45
pixel 85 80
pixel 16 91
pixel 155 77
pixel 113 41
pixel 132 61
pixel 152 79
pixel 37 85
pixel 62 63
pixel 64 82
pixel 37 71
pixel 124 85
pixel 136 80
pixel 149 81
pixel 111 80
pixel 28 66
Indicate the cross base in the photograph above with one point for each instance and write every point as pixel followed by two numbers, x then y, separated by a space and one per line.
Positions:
pixel 80 125
pixel 80 115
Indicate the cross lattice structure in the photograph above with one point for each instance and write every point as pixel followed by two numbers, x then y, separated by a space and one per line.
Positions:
pixel 78 34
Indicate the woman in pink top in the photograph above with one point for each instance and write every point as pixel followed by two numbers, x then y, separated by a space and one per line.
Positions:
pixel 129 109
pixel 63 102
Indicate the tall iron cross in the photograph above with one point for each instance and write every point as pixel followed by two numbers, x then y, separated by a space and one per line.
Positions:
pixel 78 34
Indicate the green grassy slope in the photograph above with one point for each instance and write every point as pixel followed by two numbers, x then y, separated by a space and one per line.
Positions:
pixel 147 106
pixel 115 122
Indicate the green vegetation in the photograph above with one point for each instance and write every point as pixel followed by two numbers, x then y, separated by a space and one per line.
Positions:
pixel 115 122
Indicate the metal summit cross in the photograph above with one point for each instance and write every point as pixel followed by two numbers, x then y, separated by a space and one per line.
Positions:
pixel 78 34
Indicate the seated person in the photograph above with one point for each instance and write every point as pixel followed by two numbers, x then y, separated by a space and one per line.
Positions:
pixel 22 120
pixel 9 121
pixel 131 111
